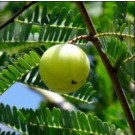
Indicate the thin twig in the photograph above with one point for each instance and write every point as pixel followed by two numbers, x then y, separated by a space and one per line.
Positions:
pixel 86 37
pixel 111 71
pixel 17 14
pixel 128 59
pixel 72 41
pixel 114 34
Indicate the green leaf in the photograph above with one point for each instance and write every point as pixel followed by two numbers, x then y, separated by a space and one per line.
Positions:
pixel 115 49
pixel 83 95
pixel 36 14
pixel 11 30
pixel 53 26
pixel 54 15
pixel 69 18
pixel 54 121
pixel 61 16
pixel 15 71
pixel 119 15
pixel 29 14
pixel 43 16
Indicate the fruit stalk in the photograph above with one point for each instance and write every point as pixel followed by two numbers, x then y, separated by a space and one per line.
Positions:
pixel 111 71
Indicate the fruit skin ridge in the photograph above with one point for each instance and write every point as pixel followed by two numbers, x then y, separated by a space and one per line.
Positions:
pixel 64 68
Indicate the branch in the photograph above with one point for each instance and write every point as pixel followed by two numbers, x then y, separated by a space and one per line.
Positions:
pixel 17 14
pixel 55 99
pixel 111 71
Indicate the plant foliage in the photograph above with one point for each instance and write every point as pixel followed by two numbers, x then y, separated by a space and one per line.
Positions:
pixel 35 27
pixel 55 121
pixel 22 44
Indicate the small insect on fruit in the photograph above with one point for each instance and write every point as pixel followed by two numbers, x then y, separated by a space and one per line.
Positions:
pixel 64 68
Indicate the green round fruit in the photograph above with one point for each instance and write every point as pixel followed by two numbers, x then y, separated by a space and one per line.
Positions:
pixel 64 68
